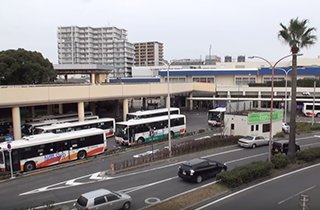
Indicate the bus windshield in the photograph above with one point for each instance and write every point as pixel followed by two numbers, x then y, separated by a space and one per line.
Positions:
pixel 121 131
pixel 214 116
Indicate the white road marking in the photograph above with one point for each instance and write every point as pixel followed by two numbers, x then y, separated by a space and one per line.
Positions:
pixel 73 182
pixel 152 200
pixel 96 177
pixel 177 195
pixel 256 185
pixel 204 137
pixel 290 197
pixel 132 189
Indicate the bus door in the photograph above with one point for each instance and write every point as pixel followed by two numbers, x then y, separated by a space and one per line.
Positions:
pixel 63 149
pixel 130 131
pixel 15 160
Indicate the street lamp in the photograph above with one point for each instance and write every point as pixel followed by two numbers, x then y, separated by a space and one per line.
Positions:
pixel 167 64
pixel 272 86
pixel 285 101
pixel 286 85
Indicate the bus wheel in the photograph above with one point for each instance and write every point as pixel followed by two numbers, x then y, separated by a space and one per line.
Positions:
pixel 140 140
pixel 82 155
pixel 29 166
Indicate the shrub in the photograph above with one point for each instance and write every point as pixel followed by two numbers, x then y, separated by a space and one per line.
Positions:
pixel 245 174
pixel 309 154
pixel 280 160
pixel 280 135
pixel 202 130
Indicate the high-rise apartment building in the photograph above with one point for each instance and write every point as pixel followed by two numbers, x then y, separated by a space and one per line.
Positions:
pixel 148 54
pixel 103 45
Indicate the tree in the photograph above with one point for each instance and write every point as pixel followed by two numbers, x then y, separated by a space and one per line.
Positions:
pixel 25 67
pixel 297 35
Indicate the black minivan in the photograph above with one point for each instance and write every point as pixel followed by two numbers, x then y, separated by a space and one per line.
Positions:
pixel 282 146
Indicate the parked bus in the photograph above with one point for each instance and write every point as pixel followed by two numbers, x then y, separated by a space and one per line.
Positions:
pixel 48 149
pixel 307 109
pixel 216 116
pixel 57 117
pixel 152 113
pixel 106 124
pixel 138 131
pixel 28 128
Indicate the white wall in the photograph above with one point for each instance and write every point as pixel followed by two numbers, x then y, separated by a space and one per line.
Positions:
pixel 241 126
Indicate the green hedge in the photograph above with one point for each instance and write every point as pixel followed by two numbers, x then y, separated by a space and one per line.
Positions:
pixel 280 161
pixel 245 174
pixel 309 154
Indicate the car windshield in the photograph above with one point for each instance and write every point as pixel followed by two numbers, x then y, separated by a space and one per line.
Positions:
pixel 248 137
pixel 82 201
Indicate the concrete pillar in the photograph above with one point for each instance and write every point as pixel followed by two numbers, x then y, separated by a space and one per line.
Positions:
pixel 93 79
pixel 50 109
pixel 16 121
pixel 144 103
pixel 125 108
pixel 228 94
pixel 259 102
pixel 60 108
pixel 93 107
pixel 81 111
pixel 190 103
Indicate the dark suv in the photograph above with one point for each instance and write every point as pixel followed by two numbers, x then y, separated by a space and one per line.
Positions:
pixel 282 146
pixel 199 169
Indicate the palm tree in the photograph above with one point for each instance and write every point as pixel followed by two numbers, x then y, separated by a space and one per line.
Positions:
pixel 297 35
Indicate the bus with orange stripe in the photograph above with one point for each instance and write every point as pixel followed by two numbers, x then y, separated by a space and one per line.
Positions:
pixel 48 149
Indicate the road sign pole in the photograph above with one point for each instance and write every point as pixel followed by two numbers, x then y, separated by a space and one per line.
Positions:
pixel 11 169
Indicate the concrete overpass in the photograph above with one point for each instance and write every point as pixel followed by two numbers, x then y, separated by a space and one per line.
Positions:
pixel 15 97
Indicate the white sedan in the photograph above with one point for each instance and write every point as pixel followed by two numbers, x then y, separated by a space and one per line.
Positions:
pixel 253 141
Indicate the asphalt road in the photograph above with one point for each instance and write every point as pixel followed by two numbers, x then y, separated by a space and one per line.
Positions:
pixel 156 182
pixel 277 194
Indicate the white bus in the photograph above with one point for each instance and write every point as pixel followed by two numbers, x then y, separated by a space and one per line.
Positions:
pixel 106 124
pixel 152 113
pixel 48 149
pixel 28 128
pixel 57 117
pixel 216 116
pixel 138 131
pixel 307 109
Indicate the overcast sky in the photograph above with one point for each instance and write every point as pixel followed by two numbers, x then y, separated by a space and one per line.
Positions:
pixel 187 28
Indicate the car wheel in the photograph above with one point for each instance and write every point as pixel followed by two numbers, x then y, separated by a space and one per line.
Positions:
pixel 126 205
pixel 199 179
pixel 29 166
pixel 82 155
pixel 254 146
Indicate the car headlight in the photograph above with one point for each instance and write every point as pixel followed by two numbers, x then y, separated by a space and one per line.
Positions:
pixel 191 172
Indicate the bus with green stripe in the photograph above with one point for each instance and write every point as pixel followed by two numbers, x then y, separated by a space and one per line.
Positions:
pixel 149 129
